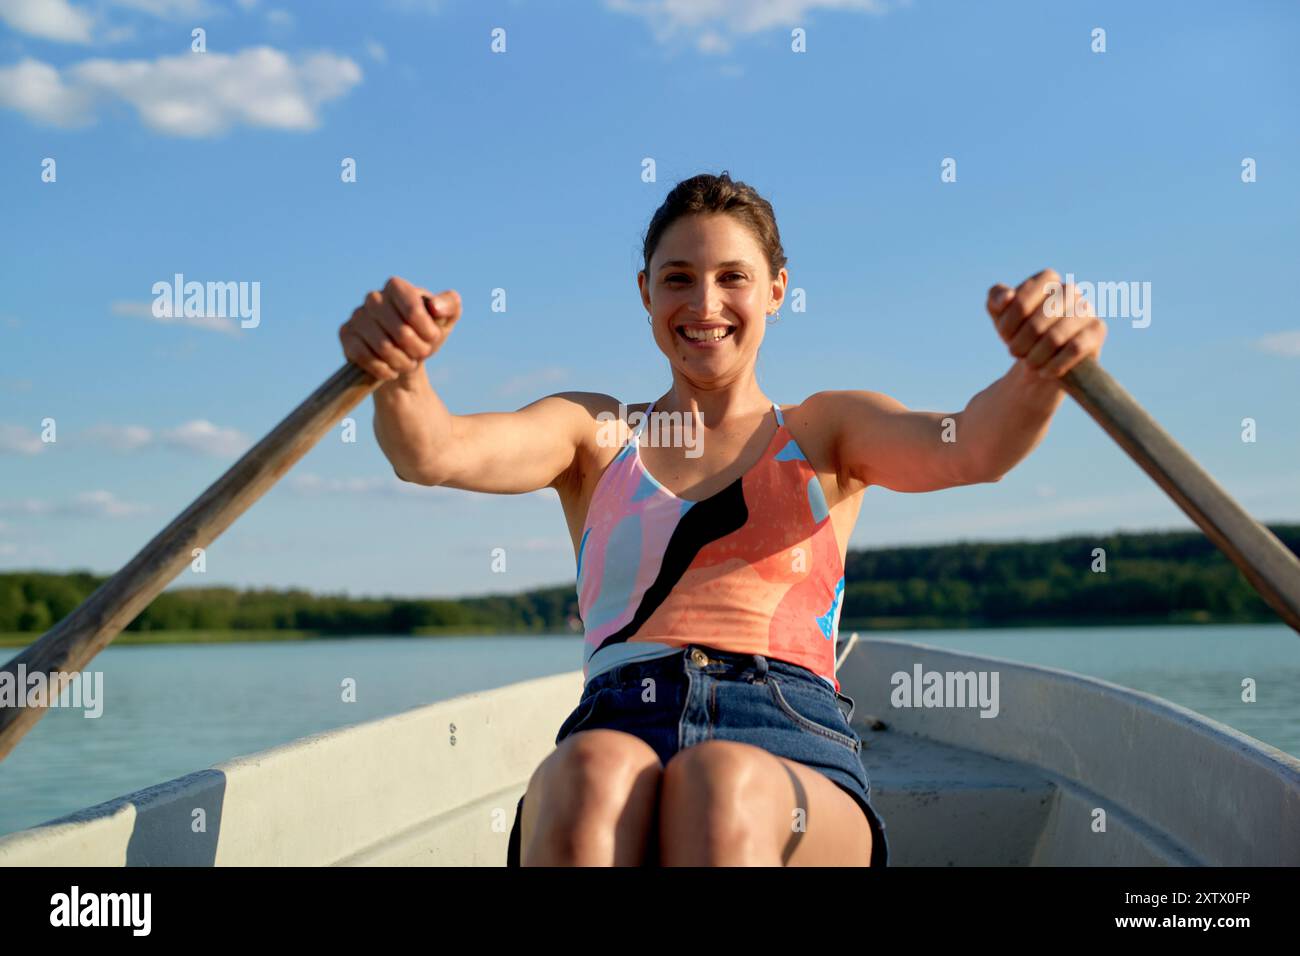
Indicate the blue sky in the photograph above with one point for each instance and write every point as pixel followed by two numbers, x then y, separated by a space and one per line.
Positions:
pixel 522 170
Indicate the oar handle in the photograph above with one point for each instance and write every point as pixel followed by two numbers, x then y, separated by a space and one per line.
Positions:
pixel 70 644
pixel 1265 561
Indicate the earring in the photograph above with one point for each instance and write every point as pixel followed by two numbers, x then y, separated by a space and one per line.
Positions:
pixel 774 317
pixel 647 319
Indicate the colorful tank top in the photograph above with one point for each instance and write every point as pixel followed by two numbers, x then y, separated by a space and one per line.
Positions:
pixel 753 569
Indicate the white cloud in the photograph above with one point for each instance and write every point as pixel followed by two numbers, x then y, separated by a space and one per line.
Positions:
pixel 32 554
pixel 198 436
pixel 19 441
pixel 102 504
pixel 385 486
pixel 417 6
pixel 167 9
pixel 120 437
pixel 1280 343
pixel 37 89
pixel 375 50
pixel 551 375
pixel 47 19
pixel 709 22
pixel 190 94
pixel 118 34
pixel 144 310
pixel 65 22
pixel 27 506
pixel 95 504
pixel 710 41
pixel 279 18
pixel 206 438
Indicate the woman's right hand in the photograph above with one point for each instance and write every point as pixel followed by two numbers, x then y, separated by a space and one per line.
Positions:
pixel 394 331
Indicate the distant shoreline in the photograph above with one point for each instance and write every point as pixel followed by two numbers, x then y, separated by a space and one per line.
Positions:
pixel 255 636
pixel 1121 579
pixel 865 628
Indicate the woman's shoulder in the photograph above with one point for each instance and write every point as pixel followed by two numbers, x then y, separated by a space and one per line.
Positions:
pixel 599 419
pixel 817 406
pixel 818 421
pixel 835 404
pixel 597 405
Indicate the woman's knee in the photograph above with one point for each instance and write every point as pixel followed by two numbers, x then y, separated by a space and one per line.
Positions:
pixel 706 806
pixel 717 772
pixel 593 799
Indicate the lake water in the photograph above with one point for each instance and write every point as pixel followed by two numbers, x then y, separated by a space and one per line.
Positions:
pixel 174 709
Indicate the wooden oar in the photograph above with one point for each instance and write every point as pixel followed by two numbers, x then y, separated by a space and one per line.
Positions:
pixel 1266 562
pixel 69 646
pixel 75 640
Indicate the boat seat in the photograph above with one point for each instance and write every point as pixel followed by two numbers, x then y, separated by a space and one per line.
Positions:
pixel 945 805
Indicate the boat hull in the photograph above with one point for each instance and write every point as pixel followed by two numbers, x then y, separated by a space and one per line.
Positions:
pixel 1070 772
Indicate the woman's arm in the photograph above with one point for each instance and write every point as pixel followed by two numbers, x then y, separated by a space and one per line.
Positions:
pixel 391 335
pixel 1048 327
pixel 499 452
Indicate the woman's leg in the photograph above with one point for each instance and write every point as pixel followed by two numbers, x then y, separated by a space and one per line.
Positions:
pixel 724 803
pixel 592 802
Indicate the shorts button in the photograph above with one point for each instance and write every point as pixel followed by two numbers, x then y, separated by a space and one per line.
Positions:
pixel 699 657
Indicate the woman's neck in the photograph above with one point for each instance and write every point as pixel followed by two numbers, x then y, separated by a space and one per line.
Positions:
pixel 715 406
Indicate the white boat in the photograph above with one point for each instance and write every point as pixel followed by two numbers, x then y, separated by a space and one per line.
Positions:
pixel 1070 772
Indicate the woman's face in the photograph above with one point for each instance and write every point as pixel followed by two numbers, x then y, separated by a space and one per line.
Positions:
pixel 709 294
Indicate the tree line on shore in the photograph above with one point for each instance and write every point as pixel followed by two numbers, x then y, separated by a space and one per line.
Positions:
pixel 1148 577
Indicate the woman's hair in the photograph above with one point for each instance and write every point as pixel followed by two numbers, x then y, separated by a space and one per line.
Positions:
pixel 706 193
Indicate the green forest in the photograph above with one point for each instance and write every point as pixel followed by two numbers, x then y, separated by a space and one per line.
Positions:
pixel 1149 577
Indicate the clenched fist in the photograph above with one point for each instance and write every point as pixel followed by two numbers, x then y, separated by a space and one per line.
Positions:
pixel 394 331
pixel 1048 326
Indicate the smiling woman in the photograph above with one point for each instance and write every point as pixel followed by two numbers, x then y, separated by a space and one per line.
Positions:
pixel 712 728
pixel 741 218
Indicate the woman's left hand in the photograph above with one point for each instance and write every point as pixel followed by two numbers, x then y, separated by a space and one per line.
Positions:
pixel 1049 327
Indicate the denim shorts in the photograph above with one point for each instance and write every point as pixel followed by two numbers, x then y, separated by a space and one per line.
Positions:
pixel 701 693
